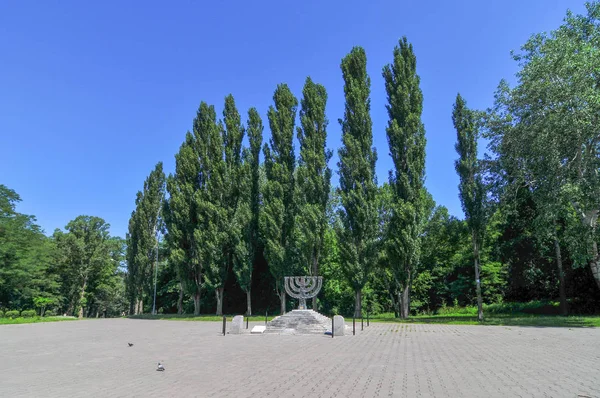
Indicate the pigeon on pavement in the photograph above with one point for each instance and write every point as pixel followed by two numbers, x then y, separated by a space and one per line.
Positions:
pixel 160 368
pixel 130 344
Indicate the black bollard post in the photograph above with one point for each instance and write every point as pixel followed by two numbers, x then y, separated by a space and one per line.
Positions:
pixel 353 326
pixel 246 322
pixel 332 327
pixel 362 324
pixel 367 318
pixel 265 318
pixel 224 324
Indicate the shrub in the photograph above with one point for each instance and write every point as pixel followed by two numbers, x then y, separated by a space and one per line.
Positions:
pixel 50 313
pixel 1 314
pixel 28 313
pixel 12 314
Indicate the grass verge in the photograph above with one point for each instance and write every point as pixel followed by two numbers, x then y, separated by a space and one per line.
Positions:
pixel 37 319
pixel 498 319
pixel 190 317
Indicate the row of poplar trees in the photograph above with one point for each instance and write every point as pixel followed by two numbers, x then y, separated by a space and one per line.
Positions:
pixel 222 205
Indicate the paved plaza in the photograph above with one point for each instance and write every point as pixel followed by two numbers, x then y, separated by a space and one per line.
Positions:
pixel 92 358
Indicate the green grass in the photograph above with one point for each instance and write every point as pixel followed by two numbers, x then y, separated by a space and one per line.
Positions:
pixel 37 319
pixel 499 319
pixel 190 317
pixel 533 313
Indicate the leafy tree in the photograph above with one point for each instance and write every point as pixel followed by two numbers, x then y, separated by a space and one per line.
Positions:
pixel 142 238
pixel 27 270
pixel 313 176
pixel 84 252
pixel 248 211
pixel 406 139
pixel 277 217
pixel 230 202
pixel 544 131
pixel 192 213
pixel 357 231
pixel 471 188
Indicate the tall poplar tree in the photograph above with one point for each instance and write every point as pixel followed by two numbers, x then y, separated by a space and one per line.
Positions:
pixel 406 139
pixel 358 185
pixel 193 215
pixel 277 217
pixel 142 242
pixel 247 215
pixel 232 136
pixel 471 188
pixel 313 176
pixel 182 220
pixel 212 198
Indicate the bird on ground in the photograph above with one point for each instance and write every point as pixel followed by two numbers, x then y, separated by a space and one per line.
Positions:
pixel 160 368
pixel 130 344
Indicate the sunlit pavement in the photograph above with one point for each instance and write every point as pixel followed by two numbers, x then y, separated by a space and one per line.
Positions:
pixel 92 358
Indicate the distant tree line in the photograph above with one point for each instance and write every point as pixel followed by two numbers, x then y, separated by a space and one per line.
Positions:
pixel 238 214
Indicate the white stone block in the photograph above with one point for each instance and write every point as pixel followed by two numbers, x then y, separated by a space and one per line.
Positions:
pixel 258 329
pixel 237 324
pixel 339 327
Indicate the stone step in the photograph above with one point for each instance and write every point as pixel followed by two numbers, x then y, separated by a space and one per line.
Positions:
pixel 299 322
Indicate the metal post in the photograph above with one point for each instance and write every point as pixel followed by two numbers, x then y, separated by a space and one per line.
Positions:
pixel 367 318
pixel 246 322
pixel 265 318
pixel 224 324
pixel 332 332
pixel 362 324
pixel 353 326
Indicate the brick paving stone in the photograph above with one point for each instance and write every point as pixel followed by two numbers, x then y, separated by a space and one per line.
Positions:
pixel 92 358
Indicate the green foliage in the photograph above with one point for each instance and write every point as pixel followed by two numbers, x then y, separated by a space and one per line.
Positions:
pixel 358 186
pixel 28 313
pixel 313 177
pixel 248 213
pixel 406 139
pixel 12 314
pixel 279 207
pixel 544 130
pixel 26 256
pixel 471 189
pixel 142 238
pixel 87 258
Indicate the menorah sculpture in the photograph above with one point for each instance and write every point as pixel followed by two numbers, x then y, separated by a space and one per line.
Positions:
pixel 303 287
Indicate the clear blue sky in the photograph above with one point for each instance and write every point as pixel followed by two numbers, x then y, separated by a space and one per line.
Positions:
pixel 93 94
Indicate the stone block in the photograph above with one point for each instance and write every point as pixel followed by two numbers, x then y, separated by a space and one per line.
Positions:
pixel 258 329
pixel 237 324
pixel 339 327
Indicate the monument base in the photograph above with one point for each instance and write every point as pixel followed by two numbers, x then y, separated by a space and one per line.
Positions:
pixel 299 322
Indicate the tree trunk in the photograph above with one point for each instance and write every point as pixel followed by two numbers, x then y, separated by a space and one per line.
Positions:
pixel 395 304
pixel 248 302
pixel 81 297
pixel 282 301
pixel 71 309
pixel 357 303
pixel 219 294
pixel 404 300
pixel 180 301
pixel 477 279
pixel 140 306
pixel 595 263
pixel 564 309
pixel 197 303
pixel 315 272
